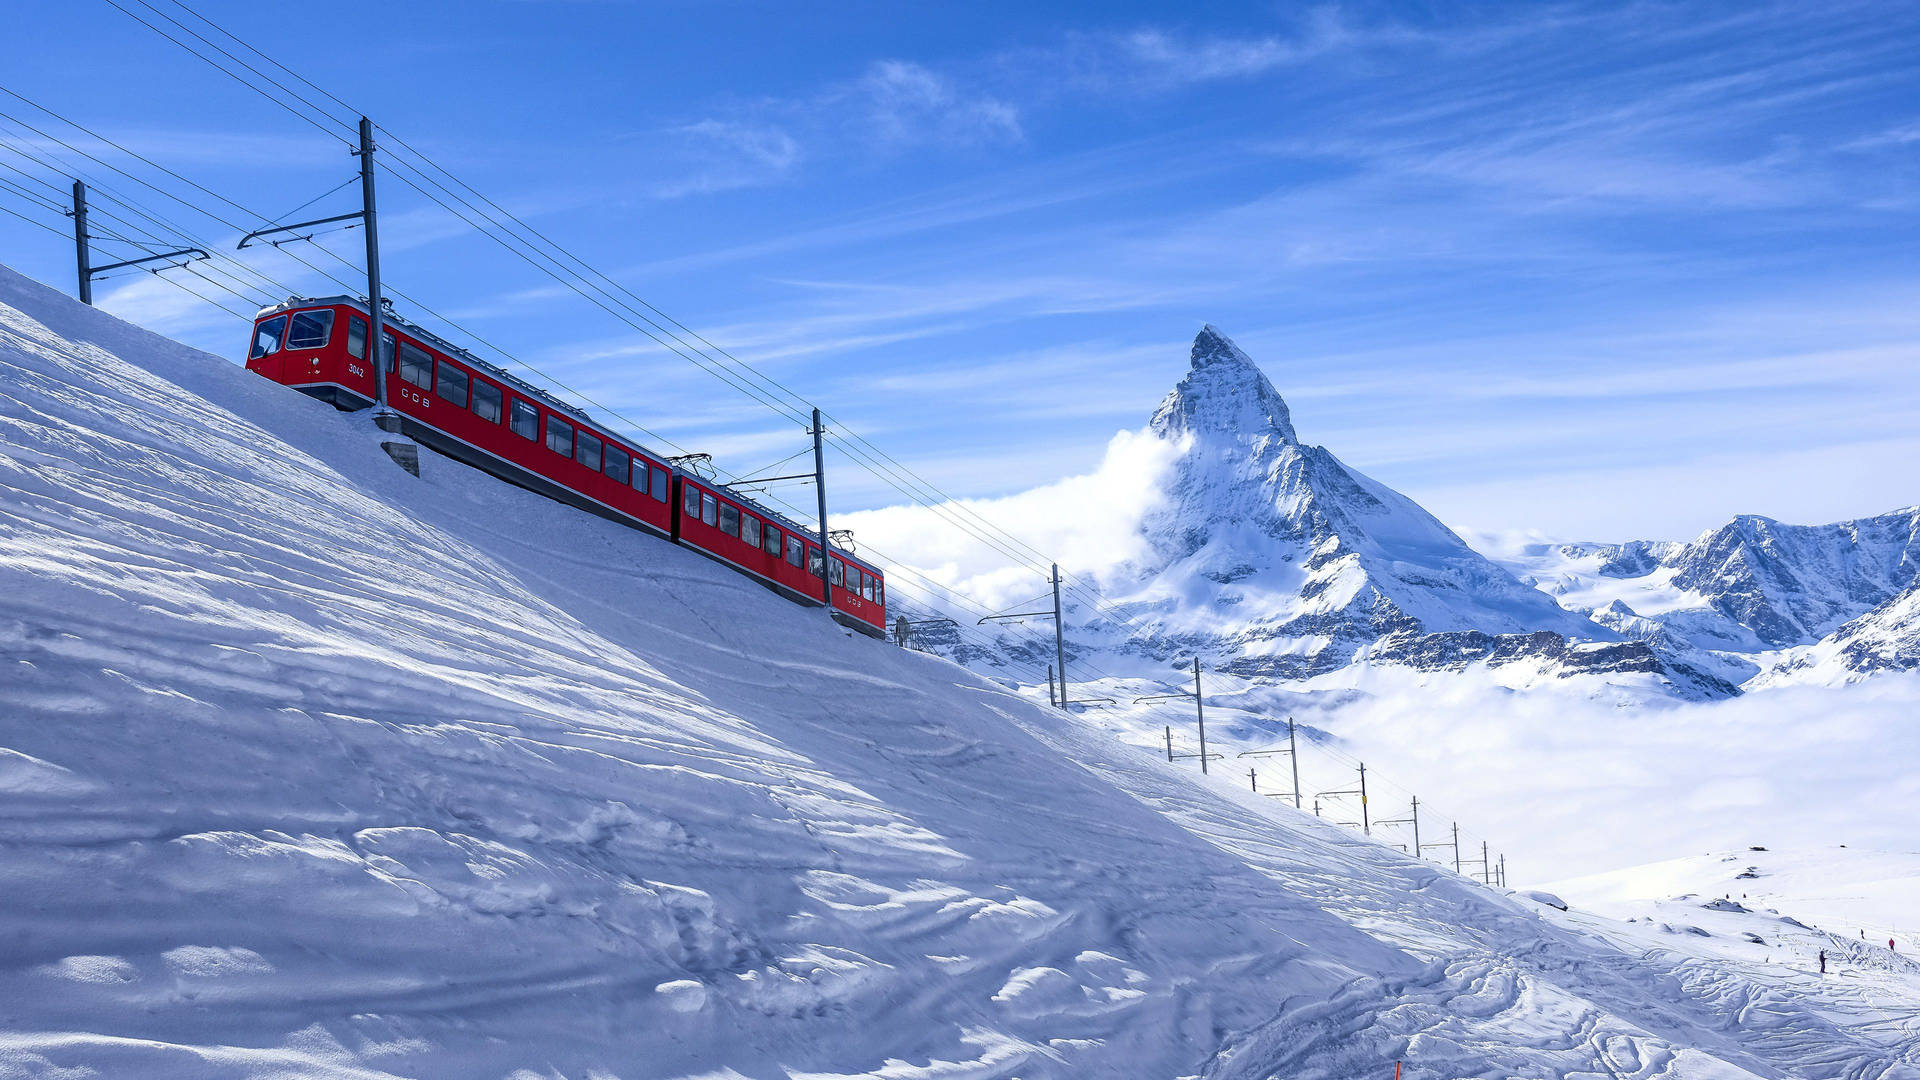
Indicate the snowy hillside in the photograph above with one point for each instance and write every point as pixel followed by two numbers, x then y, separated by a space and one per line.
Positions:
pixel 312 769
pixel 1855 893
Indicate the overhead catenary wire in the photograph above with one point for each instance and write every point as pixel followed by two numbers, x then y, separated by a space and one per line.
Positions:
pixel 416 170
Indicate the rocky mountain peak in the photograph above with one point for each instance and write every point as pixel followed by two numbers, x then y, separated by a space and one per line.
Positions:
pixel 1224 393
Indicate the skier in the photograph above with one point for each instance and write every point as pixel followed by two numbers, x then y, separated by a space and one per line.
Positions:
pixel 1823 961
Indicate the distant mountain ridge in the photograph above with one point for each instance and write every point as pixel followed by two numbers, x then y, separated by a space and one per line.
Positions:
pixel 1755 595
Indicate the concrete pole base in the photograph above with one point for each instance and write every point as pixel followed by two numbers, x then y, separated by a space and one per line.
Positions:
pixel 404 451
pixel 404 454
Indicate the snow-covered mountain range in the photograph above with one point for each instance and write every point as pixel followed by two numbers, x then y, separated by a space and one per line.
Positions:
pixel 1758 602
pixel 1275 561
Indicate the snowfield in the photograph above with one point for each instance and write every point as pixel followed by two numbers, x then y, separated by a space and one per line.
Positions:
pixel 312 769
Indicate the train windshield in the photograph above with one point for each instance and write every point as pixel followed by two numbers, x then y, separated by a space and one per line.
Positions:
pixel 310 329
pixel 266 337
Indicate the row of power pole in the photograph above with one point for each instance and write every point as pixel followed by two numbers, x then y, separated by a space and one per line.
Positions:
pixel 1492 871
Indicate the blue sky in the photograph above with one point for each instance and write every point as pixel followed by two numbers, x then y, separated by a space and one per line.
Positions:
pixel 1597 270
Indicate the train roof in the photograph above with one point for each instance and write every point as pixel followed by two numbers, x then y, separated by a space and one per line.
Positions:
pixel 527 389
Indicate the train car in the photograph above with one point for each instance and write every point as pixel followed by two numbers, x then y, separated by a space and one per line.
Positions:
pixel 745 535
pixel 459 405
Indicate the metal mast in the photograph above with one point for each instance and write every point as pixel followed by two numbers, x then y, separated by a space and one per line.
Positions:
pixel 820 491
pixel 80 241
pixel 383 415
pixel 1060 642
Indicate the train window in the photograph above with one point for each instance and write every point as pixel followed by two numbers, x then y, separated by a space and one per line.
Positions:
pixel 416 365
pixel 866 586
pixel 615 465
pixel 794 550
pixel 660 481
pixel 750 530
pixel 690 503
pixel 837 572
pixel 770 541
pixel 451 384
pixel 813 563
pixel 356 337
pixel 559 436
pixel 526 419
pixel 879 591
pixel 586 451
pixel 387 345
pixel 266 339
pixel 729 519
pixel 709 509
pixel 310 329
pixel 486 401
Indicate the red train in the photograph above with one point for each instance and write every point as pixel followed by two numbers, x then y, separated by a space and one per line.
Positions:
pixel 453 402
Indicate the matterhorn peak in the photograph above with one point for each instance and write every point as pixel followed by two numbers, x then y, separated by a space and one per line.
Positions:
pixel 1223 393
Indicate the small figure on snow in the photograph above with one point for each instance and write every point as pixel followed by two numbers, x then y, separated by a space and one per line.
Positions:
pixel 1823 961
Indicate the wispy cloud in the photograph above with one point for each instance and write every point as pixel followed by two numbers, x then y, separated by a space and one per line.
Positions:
pixel 721 155
pixel 910 104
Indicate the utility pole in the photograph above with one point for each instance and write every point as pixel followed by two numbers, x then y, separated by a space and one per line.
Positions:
pixel 820 492
pixel 80 242
pixel 1412 819
pixel 1486 867
pixel 83 249
pixel 1200 714
pixel 1059 621
pixel 1503 870
pixel 403 452
pixel 1365 826
pixel 1253 782
pixel 1052 699
pixel 1293 756
pixel 383 415
pixel 1060 641
pixel 1456 847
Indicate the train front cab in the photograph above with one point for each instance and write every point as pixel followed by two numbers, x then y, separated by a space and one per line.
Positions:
pixel 319 351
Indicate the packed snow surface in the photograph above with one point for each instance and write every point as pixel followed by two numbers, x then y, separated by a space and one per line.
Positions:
pixel 309 768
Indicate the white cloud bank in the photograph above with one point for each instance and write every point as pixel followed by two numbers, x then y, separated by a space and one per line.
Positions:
pixel 1091 523
pixel 1569 786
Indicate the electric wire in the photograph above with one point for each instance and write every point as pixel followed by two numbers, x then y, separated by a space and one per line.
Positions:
pixel 851 445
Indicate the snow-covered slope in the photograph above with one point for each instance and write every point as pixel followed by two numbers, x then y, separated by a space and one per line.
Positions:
pixel 1854 893
pixel 1884 639
pixel 312 769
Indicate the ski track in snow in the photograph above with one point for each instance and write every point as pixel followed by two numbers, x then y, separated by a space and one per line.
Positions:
pixel 308 768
